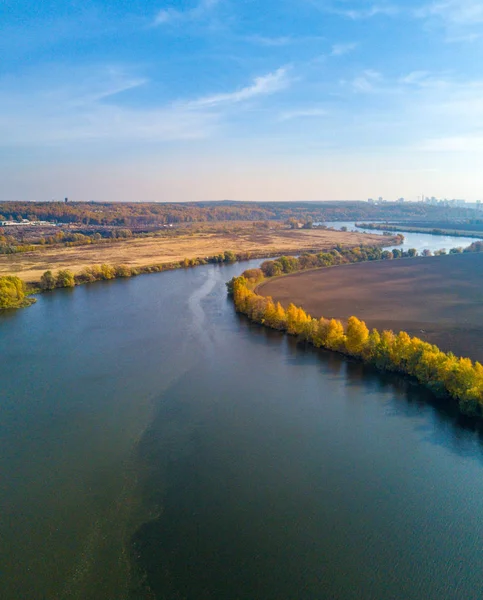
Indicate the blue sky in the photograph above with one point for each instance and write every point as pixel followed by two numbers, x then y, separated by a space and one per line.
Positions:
pixel 248 99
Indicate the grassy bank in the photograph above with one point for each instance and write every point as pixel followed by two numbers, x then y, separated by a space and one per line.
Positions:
pixel 65 278
pixel 142 253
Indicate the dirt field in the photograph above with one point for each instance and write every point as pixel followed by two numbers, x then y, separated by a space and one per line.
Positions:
pixel 439 299
pixel 149 251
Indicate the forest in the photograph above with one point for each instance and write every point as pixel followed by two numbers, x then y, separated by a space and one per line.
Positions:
pixel 443 373
pixel 158 213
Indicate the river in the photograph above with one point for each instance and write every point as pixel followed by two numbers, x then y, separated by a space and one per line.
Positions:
pixel 419 241
pixel 146 430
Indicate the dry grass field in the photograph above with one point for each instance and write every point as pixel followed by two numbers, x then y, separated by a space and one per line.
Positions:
pixel 438 299
pixel 138 252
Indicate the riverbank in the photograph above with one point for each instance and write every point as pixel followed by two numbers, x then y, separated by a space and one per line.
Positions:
pixel 142 253
pixel 437 299
pixel 445 374
pixel 66 278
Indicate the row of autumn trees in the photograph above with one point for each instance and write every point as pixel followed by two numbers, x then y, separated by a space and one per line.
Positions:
pixel 66 278
pixel 337 256
pixel 341 256
pixel 443 373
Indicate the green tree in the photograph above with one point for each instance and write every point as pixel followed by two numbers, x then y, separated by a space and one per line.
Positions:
pixel 271 268
pixel 47 281
pixel 65 279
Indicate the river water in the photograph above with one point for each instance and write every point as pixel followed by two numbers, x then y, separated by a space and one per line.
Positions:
pixel 150 436
pixel 419 241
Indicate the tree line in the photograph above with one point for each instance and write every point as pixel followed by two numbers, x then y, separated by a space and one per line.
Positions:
pixel 342 255
pixel 443 373
pixel 144 213
pixel 65 278
pixel 337 256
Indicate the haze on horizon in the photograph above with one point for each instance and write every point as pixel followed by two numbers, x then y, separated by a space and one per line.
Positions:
pixel 213 99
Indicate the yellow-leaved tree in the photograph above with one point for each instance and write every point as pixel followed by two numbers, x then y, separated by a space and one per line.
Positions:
pixel 357 336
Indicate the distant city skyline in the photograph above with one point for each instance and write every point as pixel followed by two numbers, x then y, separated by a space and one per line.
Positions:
pixel 216 99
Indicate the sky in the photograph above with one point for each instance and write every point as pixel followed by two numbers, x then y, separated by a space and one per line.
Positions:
pixel 144 100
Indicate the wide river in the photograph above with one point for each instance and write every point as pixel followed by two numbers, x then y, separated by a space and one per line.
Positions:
pixel 419 241
pixel 149 435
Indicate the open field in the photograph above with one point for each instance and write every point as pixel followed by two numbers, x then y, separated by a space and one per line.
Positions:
pixel 138 252
pixel 439 299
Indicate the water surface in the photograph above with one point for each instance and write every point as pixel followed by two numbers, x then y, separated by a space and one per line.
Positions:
pixel 147 431
pixel 419 241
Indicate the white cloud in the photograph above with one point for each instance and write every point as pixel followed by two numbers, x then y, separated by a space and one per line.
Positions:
pixel 261 86
pixel 462 20
pixel 414 78
pixel 367 81
pixel 387 10
pixel 341 49
pixel 270 41
pixel 76 107
pixel 454 12
pixel 302 113
pixel 172 15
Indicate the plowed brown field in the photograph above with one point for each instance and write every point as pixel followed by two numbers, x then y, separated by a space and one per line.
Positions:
pixel 439 299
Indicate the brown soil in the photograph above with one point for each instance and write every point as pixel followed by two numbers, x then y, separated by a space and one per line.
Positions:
pixel 438 299
pixel 138 252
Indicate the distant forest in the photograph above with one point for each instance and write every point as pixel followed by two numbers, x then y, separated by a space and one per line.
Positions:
pixel 139 214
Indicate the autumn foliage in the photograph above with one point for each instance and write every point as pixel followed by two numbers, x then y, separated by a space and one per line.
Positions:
pixel 443 373
pixel 13 293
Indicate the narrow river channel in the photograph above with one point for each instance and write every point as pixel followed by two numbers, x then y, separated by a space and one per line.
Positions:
pixel 150 436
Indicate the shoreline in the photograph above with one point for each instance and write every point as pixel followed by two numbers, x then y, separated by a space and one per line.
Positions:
pixel 107 272
pixel 138 253
pixel 433 298
pixel 444 374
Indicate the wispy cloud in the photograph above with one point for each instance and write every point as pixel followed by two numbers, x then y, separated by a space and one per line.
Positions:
pixel 261 86
pixel 172 15
pixel 62 107
pixel 341 49
pixel 462 19
pixel 270 41
pixel 67 107
pixel 303 113
pixel 374 10
pixel 367 81
pixel 415 77
pixel 454 12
